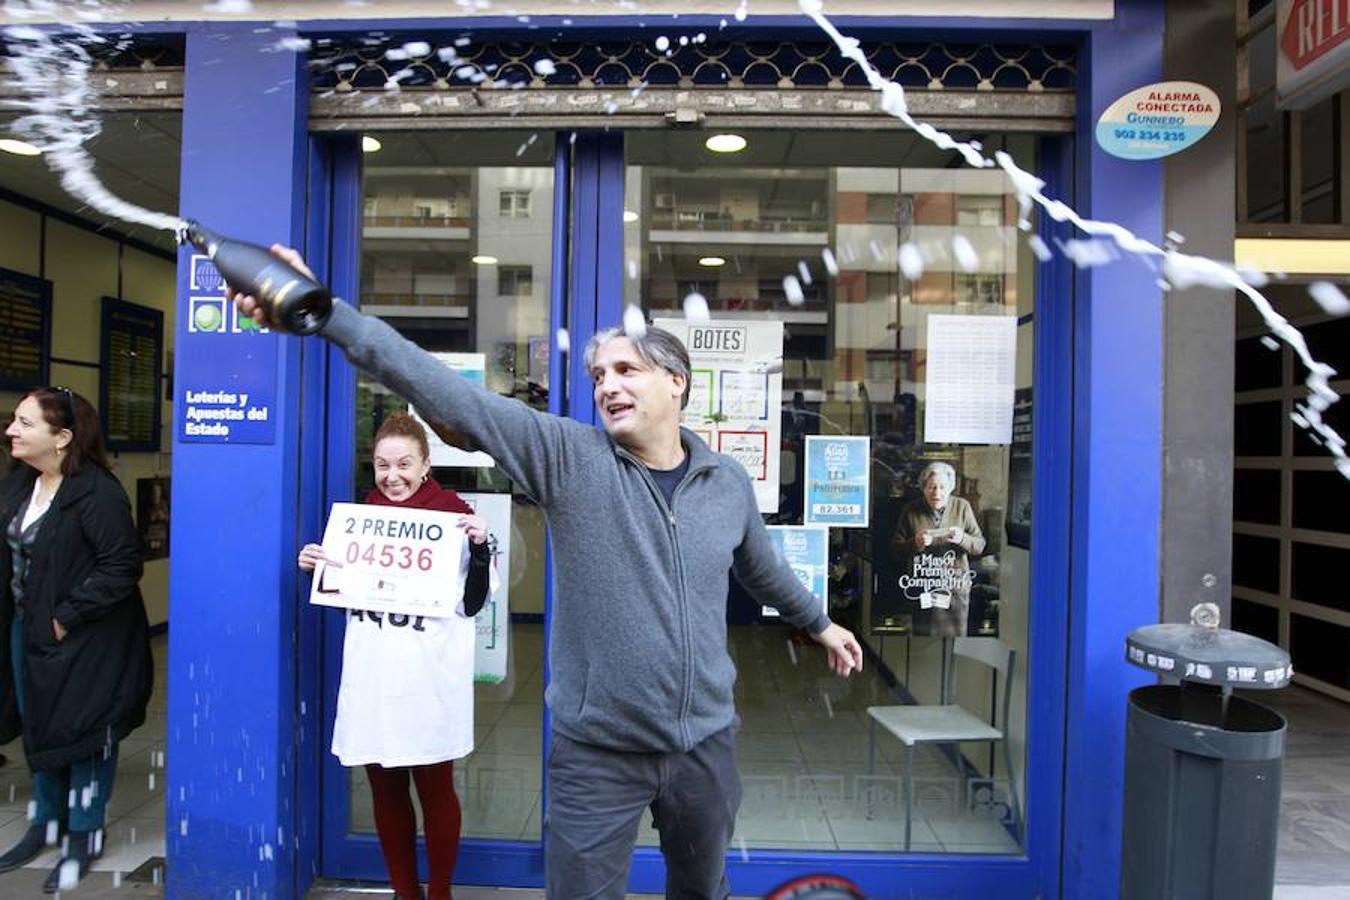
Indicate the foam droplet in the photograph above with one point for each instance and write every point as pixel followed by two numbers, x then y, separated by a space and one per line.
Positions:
pixel 634 323
pixel 911 261
pixel 696 308
pixel 792 289
pixel 663 43
pixel 1039 248
pixel 69 875
pixel 831 264
pixel 1329 297
pixel 544 67
pixel 966 257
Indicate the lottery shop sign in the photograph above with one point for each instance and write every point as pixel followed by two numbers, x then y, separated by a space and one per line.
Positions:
pixel 390 559
pixel 1158 120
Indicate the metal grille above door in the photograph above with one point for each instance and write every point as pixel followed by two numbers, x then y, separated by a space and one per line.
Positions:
pixel 686 81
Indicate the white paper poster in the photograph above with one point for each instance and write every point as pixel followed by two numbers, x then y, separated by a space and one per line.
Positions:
pixel 493 622
pixel 736 392
pixel 390 559
pixel 969 391
pixel 472 366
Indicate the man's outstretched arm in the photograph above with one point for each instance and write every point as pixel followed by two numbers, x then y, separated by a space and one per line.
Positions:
pixel 534 449
pixel 769 579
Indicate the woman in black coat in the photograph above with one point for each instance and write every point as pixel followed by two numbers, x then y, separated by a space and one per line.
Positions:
pixel 75 665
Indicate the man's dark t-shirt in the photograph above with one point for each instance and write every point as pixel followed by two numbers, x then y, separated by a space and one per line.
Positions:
pixel 668 479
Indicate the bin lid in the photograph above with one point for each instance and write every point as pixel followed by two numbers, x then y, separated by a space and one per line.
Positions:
pixel 1209 656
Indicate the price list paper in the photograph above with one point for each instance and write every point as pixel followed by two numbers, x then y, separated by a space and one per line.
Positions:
pixel 971 367
pixel 132 352
pixel 25 328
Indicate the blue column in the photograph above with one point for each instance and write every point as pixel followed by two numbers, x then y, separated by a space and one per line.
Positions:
pixel 596 236
pixel 1117 457
pixel 233 706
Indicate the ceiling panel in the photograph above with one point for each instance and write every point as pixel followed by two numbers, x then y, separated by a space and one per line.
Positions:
pixel 136 156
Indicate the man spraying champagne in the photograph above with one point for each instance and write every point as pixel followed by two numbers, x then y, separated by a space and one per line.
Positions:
pixel 641 678
pixel 291 295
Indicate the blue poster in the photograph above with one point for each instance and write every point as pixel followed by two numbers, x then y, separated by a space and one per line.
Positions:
pixel 807 551
pixel 227 366
pixel 838 481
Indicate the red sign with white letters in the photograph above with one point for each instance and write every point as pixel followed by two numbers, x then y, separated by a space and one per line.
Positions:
pixel 1314 28
pixel 1313 50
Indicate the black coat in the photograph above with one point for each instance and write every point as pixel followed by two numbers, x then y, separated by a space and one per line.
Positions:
pixel 93 686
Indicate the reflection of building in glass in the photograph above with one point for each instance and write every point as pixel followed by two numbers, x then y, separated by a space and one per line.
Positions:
pixel 417 229
pixel 461 256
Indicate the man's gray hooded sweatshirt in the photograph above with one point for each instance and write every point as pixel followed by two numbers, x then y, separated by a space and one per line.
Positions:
pixel 639 640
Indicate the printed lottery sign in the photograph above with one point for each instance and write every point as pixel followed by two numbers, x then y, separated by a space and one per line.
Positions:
pixel 735 393
pixel 807 551
pixel 838 481
pixel 389 559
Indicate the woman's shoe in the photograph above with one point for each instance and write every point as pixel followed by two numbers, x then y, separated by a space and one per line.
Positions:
pixel 82 848
pixel 33 842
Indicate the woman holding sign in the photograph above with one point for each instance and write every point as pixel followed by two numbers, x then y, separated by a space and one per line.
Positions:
pixel 405 701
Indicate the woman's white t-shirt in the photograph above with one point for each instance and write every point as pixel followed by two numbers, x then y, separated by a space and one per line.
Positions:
pixel 406 693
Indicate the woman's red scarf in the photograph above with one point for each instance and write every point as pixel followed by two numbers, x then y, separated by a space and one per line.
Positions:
pixel 429 496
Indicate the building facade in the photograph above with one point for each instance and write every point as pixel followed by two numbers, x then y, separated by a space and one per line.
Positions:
pixel 499 187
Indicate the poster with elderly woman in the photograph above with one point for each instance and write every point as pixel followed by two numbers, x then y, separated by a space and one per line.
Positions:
pixel 937 534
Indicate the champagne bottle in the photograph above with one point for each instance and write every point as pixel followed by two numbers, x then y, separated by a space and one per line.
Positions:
pixel 293 301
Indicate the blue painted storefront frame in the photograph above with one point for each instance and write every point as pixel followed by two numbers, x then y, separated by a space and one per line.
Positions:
pixel 1098 440
pixel 594 267
pixel 233 805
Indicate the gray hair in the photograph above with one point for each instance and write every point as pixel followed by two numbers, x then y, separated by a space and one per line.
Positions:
pixel 940 469
pixel 656 347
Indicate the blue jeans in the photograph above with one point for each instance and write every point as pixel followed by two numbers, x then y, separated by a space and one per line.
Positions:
pixel 76 795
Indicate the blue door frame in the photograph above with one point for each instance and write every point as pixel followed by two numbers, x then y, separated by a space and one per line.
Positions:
pixel 586 296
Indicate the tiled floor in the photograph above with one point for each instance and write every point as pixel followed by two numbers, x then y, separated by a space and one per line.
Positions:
pixel 135 830
pixel 803 752
pixel 803 760
pixel 1314 848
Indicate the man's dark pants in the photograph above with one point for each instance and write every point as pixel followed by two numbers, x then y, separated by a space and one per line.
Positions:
pixel 596 799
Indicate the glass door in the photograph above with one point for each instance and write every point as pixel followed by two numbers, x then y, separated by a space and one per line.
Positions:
pixel 863 275
pixel 852 256
pixel 455 251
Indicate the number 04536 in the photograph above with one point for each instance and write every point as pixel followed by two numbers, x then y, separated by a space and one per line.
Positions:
pixel 388 556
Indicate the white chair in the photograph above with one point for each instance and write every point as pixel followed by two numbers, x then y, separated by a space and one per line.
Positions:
pixel 949 723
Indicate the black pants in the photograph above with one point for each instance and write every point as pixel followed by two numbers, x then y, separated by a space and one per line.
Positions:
pixel 596 798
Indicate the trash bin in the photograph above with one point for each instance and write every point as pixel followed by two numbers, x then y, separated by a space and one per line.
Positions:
pixel 1202 767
